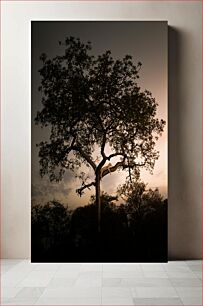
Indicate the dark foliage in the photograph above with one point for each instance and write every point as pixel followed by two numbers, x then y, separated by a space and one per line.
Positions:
pixel 128 234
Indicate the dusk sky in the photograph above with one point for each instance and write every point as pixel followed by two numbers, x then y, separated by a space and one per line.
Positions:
pixel 146 42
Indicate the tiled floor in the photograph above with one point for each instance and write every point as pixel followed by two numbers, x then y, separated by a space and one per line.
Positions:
pixel 174 283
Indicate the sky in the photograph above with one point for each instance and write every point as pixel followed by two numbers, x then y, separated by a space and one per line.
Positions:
pixel 146 42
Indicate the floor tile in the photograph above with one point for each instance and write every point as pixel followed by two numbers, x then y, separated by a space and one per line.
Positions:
pixel 88 282
pixel 12 280
pixel 145 282
pixel 4 301
pixel 70 267
pixel 9 292
pixel 89 279
pixel 115 292
pixel 157 301
pixel 61 282
pixel 122 274
pixel 128 301
pixel 185 282
pixel 90 274
pixel 30 292
pixel 196 268
pixel 155 274
pixel 37 279
pixel 67 273
pixel 69 301
pixel 193 262
pixel 176 268
pixel 45 267
pixel 111 282
pixel 192 301
pixel 22 301
pixel 189 291
pixel 181 274
pixel 72 292
pixel 5 268
pixel 15 275
pixel 151 292
pixel 198 274
pixel 22 266
pixel 152 267
pixel 122 268
pixel 91 267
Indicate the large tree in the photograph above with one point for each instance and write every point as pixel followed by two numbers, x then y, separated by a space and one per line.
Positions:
pixel 89 103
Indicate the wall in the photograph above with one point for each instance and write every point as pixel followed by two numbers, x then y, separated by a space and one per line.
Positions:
pixel 184 18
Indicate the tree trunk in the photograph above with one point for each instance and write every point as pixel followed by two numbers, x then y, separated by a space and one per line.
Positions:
pixel 98 200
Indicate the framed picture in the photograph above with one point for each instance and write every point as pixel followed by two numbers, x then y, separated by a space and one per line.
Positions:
pixel 99 141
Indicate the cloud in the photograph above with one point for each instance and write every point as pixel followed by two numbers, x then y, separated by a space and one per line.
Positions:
pixel 43 190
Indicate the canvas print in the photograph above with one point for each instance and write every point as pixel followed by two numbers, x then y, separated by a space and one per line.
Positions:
pixel 99 141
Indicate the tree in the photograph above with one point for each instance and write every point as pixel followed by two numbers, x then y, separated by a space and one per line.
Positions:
pixel 51 219
pixel 50 227
pixel 90 102
pixel 133 194
pixel 138 198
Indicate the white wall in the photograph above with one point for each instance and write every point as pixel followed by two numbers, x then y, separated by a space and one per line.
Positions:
pixel 184 19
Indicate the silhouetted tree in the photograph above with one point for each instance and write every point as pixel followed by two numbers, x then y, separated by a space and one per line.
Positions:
pixel 139 200
pixel 90 102
pixel 50 224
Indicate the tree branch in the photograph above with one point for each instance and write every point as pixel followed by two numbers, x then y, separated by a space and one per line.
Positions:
pixel 115 154
pixel 80 190
pixel 103 146
pixel 129 170
pixel 96 113
pixel 123 165
pixel 113 168
pixel 84 155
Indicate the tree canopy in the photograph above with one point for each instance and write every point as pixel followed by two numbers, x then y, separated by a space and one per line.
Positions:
pixel 90 102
